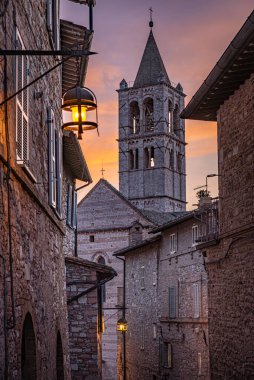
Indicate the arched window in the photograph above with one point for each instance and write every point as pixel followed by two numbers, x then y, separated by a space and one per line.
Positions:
pixel 152 159
pixel 149 158
pixel 176 119
pixel 179 162
pixel 102 261
pixel 136 164
pixel 28 353
pixel 170 111
pixel 171 159
pixel 131 160
pixel 149 114
pixel 59 358
pixel 134 117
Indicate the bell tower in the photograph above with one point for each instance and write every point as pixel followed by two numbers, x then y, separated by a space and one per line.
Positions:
pixel 152 136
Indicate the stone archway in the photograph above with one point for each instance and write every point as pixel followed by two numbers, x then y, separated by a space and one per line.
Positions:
pixel 59 358
pixel 28 350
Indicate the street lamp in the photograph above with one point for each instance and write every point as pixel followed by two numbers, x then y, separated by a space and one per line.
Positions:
pixel 79 101
pixel 122 325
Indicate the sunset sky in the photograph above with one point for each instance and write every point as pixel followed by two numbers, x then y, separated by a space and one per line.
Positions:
pixel 191 36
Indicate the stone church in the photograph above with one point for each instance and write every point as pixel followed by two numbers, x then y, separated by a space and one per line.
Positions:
pixel 151 180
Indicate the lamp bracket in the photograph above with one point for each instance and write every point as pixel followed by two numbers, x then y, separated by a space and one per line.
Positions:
pixel 67 53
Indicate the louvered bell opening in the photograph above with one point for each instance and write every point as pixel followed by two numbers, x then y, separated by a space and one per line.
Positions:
pixel 80 101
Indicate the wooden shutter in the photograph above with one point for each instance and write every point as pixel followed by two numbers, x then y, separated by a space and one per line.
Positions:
pixel 74 209
pixel 22 105
pixel 172 302
pixel 69 205
pixel 59 174
pixel 196 303
pixel 51 157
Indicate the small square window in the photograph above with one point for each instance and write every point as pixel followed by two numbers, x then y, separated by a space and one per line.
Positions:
pixel 91 238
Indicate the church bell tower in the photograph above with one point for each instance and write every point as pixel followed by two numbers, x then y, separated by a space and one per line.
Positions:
pixel 152 136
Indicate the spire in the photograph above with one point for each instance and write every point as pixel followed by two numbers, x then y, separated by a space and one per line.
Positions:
pixel 151 70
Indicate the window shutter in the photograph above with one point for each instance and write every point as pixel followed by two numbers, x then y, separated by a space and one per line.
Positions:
pixel 51 157
pixel 69 205
pixel 172 302
pixel 74 210
pixel 161 353
pixel 59 172
pixel 196 300
pixel 22 105
pixel 50 15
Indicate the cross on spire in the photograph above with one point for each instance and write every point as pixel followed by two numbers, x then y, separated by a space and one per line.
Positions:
pixel 102 171
pixel 151 17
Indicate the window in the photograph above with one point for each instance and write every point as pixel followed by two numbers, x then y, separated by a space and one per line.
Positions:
pixel 91 238
pixel 199 364
pixel 172 243
pixel 171 159
pixel 142 278
pixel 142 343
pixel 172 302
pixel 196 301
pixel 176 121
pixel 194 235
pixel 166 354
pixel 22 105
pixel 134 117
pixel 131 160
pixel 53 22
pixel 136 160
pixel 179 162
pixel 170 116
pixel 55 163
pixel 154 331
pixel 149 157
pixel 148 114
pixel 72 207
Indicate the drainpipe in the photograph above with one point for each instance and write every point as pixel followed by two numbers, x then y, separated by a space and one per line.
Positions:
pixel 124 307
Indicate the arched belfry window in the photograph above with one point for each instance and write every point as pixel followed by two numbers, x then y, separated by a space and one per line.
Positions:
pixel 176 120
pixel 28 353
pixel 171 159
pixel 131 159
pixel 59 358
pixel 102 261
pixel 170 115
pixel 134 117
pixel 149 157
pixel 149 114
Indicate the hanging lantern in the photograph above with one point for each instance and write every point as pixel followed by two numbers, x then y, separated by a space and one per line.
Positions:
pixel 122 325
pixel 79 101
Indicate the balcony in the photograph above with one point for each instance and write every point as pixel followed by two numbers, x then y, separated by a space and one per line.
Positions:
pixel 207 214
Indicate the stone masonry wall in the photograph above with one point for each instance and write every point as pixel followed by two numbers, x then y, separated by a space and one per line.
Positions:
pixel 230 264
pixel 84 337
pixel 35 237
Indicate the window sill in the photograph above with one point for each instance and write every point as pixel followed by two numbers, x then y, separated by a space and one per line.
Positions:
pixel 28 172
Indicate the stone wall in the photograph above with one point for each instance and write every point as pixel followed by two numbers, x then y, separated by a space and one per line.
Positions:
pixel 85 339
pixel 150 272
pixel 32 245
pixel 230 264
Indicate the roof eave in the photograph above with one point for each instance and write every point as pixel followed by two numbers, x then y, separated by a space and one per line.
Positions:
pixel 207 100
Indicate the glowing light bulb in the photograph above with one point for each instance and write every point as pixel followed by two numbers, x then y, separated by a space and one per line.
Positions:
pixel 75 113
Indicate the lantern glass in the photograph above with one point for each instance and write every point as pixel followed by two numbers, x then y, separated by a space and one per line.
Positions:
pixel 122 325
pixel 78 113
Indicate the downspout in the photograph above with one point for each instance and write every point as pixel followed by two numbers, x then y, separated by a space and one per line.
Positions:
pixel 6 358
pixel 124 307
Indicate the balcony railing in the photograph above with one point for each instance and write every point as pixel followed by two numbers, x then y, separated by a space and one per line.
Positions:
pixel 207 214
